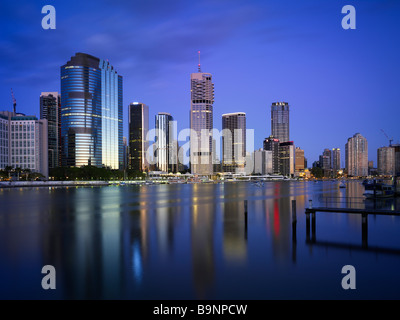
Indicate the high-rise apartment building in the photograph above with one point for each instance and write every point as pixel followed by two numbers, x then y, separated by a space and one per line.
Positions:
pixel 50 109
pixel 336 160
pixel 138 140
pixel 280 121
pixel 166 148
pixel 356 153
pixel 386 161
pixel 201 122
pixel 91 113
pixel 272 144
pixel 233 142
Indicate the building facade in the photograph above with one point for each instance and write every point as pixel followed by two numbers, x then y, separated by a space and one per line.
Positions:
pixel 262 162
pixel 386 161
pixel 356 154
pixel 24 142
pixel 166 149
pixel 4 141
pixel 233 142
pixel 50 109
pixel 91 113
pixel 325 159
pixel 396 148
pixel 272 144
pixel 336 160
pixel 138 139
pixel 201 123
pixel 299 161
pixel 287 156
pixel 280 121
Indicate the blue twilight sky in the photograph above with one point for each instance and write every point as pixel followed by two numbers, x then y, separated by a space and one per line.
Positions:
pixel 337 82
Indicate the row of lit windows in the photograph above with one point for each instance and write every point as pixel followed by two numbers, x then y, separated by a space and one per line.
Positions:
pixel 24 159
pixel 20 152
pixel 23 135
pixel 23 127
pixel 22 144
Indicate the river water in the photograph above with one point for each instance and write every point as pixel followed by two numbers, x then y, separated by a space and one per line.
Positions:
pixel 195 241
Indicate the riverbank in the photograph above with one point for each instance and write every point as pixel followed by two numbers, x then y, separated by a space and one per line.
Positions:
pixel 21 184
pixel 96 183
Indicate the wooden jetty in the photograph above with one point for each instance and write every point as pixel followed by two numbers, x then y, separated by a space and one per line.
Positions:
pixel 364 219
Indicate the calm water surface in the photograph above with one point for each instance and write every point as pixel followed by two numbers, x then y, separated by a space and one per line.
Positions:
pixel 193 241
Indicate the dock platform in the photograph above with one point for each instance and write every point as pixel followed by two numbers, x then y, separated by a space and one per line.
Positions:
pixel 364 221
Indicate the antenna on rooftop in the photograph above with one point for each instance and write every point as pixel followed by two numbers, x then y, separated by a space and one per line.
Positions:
pixel 199 62
pixel 14 101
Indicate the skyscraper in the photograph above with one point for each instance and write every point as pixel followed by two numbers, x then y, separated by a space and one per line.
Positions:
pixel 280 121
pixel 138 140
pixel 325 159
pixel 386 161
pixel 233 141
pixel 357 156
pixel 91 113
pixel 201 122
pixel 166 151
pixel 287 157
pixel 336 160
pixel 272 144
pixel 50 109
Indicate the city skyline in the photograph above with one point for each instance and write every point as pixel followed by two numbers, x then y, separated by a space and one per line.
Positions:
pixel 336 81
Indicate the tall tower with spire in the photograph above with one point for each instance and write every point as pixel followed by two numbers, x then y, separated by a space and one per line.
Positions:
pixel 201 122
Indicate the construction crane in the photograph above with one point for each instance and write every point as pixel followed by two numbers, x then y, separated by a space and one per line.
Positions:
pixel 14 101
pixel 390 140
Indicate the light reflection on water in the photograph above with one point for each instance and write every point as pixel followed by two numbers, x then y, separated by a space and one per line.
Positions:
pixel 193 241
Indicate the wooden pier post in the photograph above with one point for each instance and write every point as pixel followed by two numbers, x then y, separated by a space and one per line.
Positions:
pixel 313 226
pixel 364 229
pixel 307 226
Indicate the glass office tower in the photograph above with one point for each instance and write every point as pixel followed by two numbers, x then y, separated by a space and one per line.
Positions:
pixel 280 121
pixel 272 144
pixel 91 113
pixel 50 109
pixel 138 140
